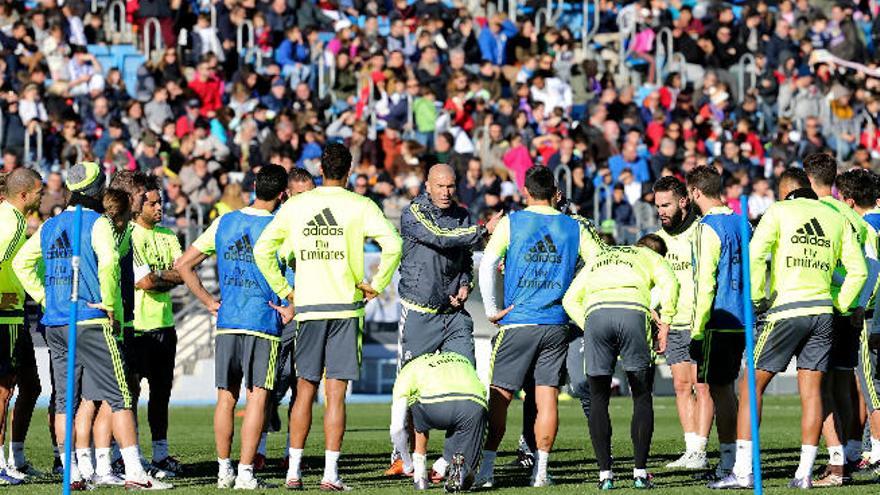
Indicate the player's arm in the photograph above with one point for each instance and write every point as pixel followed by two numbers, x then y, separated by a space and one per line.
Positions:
pixel 403 389
pixel 853 260
pixel 104 246
pixel 490 276
pixel 266 251
pixel 664 278
pixel 707 253
pixel 590 242
pixel 154 280
pixel 872 263
pixel 420 227
pixel 761 246
pixel 9 242
pixel 186 265
pixel 377 227
pixel 28 267
pixel 575 297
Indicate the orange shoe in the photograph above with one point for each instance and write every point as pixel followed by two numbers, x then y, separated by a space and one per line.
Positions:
pixel 396 469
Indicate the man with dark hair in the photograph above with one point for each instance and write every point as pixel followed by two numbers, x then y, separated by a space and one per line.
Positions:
pixel 717 339
pixel 842 430
pixel 23 191
pixel 100 310
pixel 249 321
pixel 679 220
pixel 153 347
pixel 539 247
pixel 805 241
pixel 324 231
pixel 610 299
pixel 299 180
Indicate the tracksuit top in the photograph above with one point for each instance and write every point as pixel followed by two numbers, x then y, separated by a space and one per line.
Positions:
pixel 873 218
pixel 539 266
pixel 864 234
pixel 13 237
pixel 679 255
pixel 244 292
pixel 806 240
pixel 56 243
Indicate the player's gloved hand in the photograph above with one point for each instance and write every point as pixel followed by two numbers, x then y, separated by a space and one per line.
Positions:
pixel 695 349
pixel 874 341
pixel 857 319
pixel 760 306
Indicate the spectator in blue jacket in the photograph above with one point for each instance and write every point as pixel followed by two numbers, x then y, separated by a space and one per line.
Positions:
pixel 493 39
pixel 629 158
pixel 293 56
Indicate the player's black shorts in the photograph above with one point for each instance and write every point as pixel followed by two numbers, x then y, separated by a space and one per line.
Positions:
pixel 613 332
pixel 867 374
pixel 151 356
pixel 845 343
pixel 16 348
pixel 721 359
pixel 807 337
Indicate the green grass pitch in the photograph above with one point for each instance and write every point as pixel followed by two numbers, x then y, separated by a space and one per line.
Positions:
pixel 366 449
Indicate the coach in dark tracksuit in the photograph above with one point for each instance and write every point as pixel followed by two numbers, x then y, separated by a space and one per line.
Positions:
pixel 436 272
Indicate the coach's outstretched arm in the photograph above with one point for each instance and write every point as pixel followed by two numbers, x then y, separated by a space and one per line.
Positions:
pixel 266 250
pixel 853 260
pixel 420 227
pixel 28 265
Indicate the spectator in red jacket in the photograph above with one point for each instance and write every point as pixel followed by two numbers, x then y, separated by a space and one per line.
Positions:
pixel 187 122
pixel 209 88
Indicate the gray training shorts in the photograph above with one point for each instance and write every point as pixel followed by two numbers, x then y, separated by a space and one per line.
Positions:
pixel 807 337
pixel 329 349
pixel 678 347
pixel 245 357
pixel 100 373
pixel 464 422
pixel 613 332
pixel 867 373
pixel 535 350
pixel 424 333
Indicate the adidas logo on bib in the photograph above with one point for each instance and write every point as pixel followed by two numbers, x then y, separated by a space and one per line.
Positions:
pixel 543 251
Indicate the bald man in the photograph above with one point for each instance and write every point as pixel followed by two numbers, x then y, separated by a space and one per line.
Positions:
pixel 436 275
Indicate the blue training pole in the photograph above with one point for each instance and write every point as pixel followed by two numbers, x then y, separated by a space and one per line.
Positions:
pixel 71 349
pixel 746 234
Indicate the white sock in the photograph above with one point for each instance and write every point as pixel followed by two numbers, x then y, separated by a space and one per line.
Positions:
pixel 3 464
pixel 224 466
pixel 419 470
pixel 440 466
pixel 690 442
pixel 853 450
pixel 245 472
pixel 875 450
pixel 131 456
pixel 488 464
pixel 261 447
pixel 640 473
pixel 74 470
pixel 700 443
pixel 293 468
pixel 331 460
pixel 728 454
pixel 605 475
pixel 541 464
pixel 836 455
pixel 102 462
pixel 16 451
pixel 808 458
pixel 160 450
pixel 743 464
pixel 84 462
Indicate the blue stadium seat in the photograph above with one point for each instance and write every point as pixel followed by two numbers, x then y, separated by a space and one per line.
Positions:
pixel 326 36
pixel 122 51
pixel 99 50
pixel 130 65
pixel 107 62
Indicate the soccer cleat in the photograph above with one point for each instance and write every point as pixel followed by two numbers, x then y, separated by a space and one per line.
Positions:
pixel 643 483
pixel 7 479
pixel 804 483
pixel 253 483
pixel 680 462
pixel 226 480
pixel 455 480
pixel 487 482
pixel 396 469
pixel 334 486
pixel 293 484
pixel 868 471
pixel 25 472
pixel 259 463
pixel 420 484
pixel 606 484
pixel 833 476
pixel 733 482
pixel 542 481
pixel 436 478
pixel 169 465
pixel 80 486
pixel 107 480
pixel 147 482
pixel 695 460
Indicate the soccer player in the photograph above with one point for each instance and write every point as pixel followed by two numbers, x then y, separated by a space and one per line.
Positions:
pixel 443 392
pixel 154 344
pixel 44 267
pixel 805 241
pixel 679 220
pixel 841 430
pixel 539 247
pixel 610 299
pixel 24 191
pixel 717 339
pixel 249 321
pixel 325 229
pixel 436 276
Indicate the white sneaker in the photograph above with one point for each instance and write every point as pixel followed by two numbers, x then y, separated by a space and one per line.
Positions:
pixel 485 482
pixel 253 483
pixel 26 471
pixel 680 462
pixel 696 460
pixel 108 480
pixel 226 480
pixel 542 481
pixel 147 482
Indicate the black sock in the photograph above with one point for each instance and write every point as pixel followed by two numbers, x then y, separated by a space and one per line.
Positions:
pixel 641 385
pixel 530 415
pixel 600 420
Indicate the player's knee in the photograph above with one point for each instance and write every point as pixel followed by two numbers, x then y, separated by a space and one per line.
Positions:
pixel 682 387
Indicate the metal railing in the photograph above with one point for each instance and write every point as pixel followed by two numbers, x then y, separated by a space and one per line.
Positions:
pixel 481 139
pixel 153 45
pixel 36 132
pixel 603 190
pixel 246 28
pixel 326 75
pixel 627 20
pixel 118 28
pixel 2 126
pixel 589 31
pixel 192 232
pixel 746 65
pixel 548 15
pixel 865 123
pixel 664 52
pixel 563 178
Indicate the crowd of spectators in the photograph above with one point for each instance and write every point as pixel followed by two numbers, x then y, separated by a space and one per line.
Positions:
pixel 409 84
